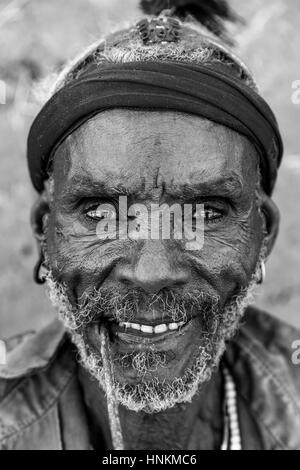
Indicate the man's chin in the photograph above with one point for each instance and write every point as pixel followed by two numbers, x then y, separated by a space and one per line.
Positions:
pixel 166 386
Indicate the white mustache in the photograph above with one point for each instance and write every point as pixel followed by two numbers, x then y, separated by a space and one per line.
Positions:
pixel 107 305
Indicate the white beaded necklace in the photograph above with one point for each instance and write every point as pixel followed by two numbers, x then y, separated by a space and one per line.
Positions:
pixel 232 434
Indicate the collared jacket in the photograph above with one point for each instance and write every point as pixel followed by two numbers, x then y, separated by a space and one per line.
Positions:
pixel 42 407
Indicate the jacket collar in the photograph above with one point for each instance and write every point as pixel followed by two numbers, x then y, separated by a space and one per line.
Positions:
pixel 35 352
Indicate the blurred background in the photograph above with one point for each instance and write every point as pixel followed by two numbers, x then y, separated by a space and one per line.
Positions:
pixel 37 37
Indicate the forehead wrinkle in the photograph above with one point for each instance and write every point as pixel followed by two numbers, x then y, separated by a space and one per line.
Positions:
pixel 144 163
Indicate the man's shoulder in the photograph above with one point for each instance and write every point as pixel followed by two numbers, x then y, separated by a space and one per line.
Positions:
pixel 262 357
pixel 269 328
pixel 272 340
pixel 28 352
pixel 39 367
pixel 10 344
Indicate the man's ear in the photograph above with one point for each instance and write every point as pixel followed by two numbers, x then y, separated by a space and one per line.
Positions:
pixel 272 220
pixel 38 211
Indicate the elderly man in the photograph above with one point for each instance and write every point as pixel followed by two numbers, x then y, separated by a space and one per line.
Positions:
pixel 156 346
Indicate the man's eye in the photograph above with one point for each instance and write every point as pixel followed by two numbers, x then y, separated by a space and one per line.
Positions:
pixel 102 211
pixel 209 214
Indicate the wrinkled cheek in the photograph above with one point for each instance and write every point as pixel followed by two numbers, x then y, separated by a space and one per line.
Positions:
pixel 66 269
pixel 79 259
pixel 230 257
pixel 231 272
pixel 66 254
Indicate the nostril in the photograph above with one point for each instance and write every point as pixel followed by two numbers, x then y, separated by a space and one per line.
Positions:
pixel 179 284
pixel 125 281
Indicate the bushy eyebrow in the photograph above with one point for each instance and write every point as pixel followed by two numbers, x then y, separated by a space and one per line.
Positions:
pixel 229 185
pixel 86 186
pixel 226 186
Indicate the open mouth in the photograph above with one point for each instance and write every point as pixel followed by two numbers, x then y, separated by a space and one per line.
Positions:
pixel 146 333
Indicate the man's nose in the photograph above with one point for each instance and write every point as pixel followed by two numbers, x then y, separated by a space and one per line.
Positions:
pixel 153 270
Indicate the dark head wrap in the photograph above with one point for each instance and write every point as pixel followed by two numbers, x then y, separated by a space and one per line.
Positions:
pixel 157 85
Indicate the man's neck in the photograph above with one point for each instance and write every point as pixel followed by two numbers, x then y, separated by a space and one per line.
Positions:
pixel 195 425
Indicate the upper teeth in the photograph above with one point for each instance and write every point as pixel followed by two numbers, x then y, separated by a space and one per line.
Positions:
pixel 152 329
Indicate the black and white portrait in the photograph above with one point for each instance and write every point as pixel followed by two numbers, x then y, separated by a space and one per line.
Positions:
pixel 149 201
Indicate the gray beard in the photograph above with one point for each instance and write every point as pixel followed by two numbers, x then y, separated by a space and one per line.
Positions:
pixel 151 396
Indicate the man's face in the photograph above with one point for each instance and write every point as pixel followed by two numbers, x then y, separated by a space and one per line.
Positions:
pixel 168 309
